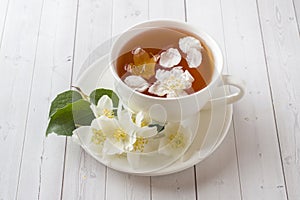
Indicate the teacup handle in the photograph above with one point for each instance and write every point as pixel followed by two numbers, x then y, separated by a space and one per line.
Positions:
pixel 231 98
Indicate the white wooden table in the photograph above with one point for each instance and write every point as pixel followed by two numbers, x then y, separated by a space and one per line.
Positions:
pixel 43 43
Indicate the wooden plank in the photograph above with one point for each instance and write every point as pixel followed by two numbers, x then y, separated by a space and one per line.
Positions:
pixel 179 185
pixel 43 158
pixel 84 177
pixel 256 137
pixel 125 14
pixel 219 181
pixel 17 57
pixel 282 47
pixel 217 177
pixel 3 13
pixel 171 9
pixel 126 186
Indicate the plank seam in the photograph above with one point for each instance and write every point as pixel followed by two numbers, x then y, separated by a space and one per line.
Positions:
pixel 271 95
pixel 185 10
pixel 40 169
pixel 296 16
pixel 237 160
pixel 71 81
pixel 195 182
pixel 151 195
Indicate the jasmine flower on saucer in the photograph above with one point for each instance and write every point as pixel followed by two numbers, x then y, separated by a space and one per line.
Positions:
pixel 104 107
pixel 171 83
pixel 176 139
pixel 122 134
pixel 92 137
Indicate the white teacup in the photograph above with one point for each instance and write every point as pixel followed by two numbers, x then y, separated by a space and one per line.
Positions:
pixel 179 108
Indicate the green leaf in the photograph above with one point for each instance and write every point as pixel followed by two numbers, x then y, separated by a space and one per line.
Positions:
pixel 98 93
pixel 64 99
pixel 65 119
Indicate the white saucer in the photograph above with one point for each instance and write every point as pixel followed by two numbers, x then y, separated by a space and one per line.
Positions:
pixel 212 128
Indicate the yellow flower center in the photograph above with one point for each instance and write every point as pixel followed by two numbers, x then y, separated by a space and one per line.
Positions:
pixel 144 123
pixel 177 140
pixel 108 113
pixel 98 136
pixel 139 144
pixel 120 135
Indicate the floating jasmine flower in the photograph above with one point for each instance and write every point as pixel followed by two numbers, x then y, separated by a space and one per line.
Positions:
pixel 192 48
pixel 136 83
pixel 188 42
pixel 170 58
pixel 171 83
pixel 194 58
pixel 104 107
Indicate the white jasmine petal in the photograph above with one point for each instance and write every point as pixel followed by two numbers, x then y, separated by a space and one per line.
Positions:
pixel 137 50
pixel 111 149
pixel 157 89
pixel 96 124
pixel 170 58
pixel 162 74
pixel 188 42
pixel 104 107
pixel 194 58
pixel 177 139
pixel 187 77
pixel 83 134
pixel 137 83
pixel 147 132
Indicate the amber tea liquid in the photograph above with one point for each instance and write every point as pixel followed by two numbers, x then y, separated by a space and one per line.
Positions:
pixel 155 41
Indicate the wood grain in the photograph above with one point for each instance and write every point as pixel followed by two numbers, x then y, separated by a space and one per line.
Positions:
pixel 217 177
pixel 179 185
pixel 17 58
pixel 282 48
pixel 256 135
pixel 43 158
pixel 125 14
pixel 84 177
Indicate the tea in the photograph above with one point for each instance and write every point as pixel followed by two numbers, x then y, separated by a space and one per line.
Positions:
pixel 164 62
